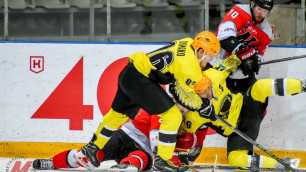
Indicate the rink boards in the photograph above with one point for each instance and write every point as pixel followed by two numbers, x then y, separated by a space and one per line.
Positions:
pixel 53 96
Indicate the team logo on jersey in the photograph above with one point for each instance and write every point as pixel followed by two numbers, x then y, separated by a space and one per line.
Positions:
pixel 225 105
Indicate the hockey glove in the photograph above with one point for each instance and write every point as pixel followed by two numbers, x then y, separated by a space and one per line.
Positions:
pixel 246 52
pixel 175 160
pixel 207 110
pixel 193 154
pixel 182 156
pixel 250 66
pixel 186 140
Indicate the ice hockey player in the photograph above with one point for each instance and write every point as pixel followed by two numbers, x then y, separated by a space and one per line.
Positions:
pixel 129 147
pixel 243 111
pixel 178 64
pixel 246 32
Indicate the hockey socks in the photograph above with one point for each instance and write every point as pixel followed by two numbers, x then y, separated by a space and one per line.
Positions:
pixel 111 121
pixel 136 158
pixel 66 159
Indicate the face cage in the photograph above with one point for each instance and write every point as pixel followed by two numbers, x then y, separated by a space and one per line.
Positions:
pixel 215 59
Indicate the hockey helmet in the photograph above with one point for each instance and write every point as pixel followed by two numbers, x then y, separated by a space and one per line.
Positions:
pixel 202 85
pixel 207 41
pixel 265 4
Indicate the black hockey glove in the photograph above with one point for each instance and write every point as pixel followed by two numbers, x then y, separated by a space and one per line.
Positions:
pixel 182 156
pixel 207 110
pixel 194 153
pixel 188 158
pixel 249 60
pixel 245 52
pixel 250 66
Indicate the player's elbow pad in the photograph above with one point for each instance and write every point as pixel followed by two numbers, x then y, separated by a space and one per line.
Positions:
pixel 188 99
pixel 230 44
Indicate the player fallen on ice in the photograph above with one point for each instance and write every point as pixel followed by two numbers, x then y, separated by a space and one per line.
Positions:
pixel 132 147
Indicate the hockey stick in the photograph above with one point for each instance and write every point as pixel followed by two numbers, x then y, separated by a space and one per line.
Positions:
pixel 215 163
pixel 247 138
pixel 283 59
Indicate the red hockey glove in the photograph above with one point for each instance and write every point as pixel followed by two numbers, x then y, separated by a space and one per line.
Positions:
pixel 186 140
pixel 175 160
pixel 246 52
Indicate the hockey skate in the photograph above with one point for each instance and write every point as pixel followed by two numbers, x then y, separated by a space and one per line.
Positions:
pixel 82 160
pixel 294 163
pixel 43 164
pixel 124 167
pixel 163 165
pixel 91 152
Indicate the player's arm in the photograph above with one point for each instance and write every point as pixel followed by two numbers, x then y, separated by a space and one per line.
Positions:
pixel 185 96
pixel 228 65
pixel 283 86
pixel 192 122
pixel 227 30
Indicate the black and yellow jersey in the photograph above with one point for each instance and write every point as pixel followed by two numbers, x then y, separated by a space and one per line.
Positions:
pixel 228 105
pixel 224 101
pixel 175 64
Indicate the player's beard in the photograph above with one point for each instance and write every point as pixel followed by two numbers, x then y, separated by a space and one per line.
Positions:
pixel 259 19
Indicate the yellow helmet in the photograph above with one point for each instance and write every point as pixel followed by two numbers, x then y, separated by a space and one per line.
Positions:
pixel 207 41
pixel 202 85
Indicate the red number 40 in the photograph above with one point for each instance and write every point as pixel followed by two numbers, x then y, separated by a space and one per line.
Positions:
pixel 66 101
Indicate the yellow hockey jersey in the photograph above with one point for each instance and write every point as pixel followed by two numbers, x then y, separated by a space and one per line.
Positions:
pixel 175 64
pixel 228 105
pixel 224 101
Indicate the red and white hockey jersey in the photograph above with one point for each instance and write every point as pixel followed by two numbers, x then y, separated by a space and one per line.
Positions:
pixel 238 22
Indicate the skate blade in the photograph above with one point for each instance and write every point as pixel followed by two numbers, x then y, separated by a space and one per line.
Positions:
pixel 130 169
